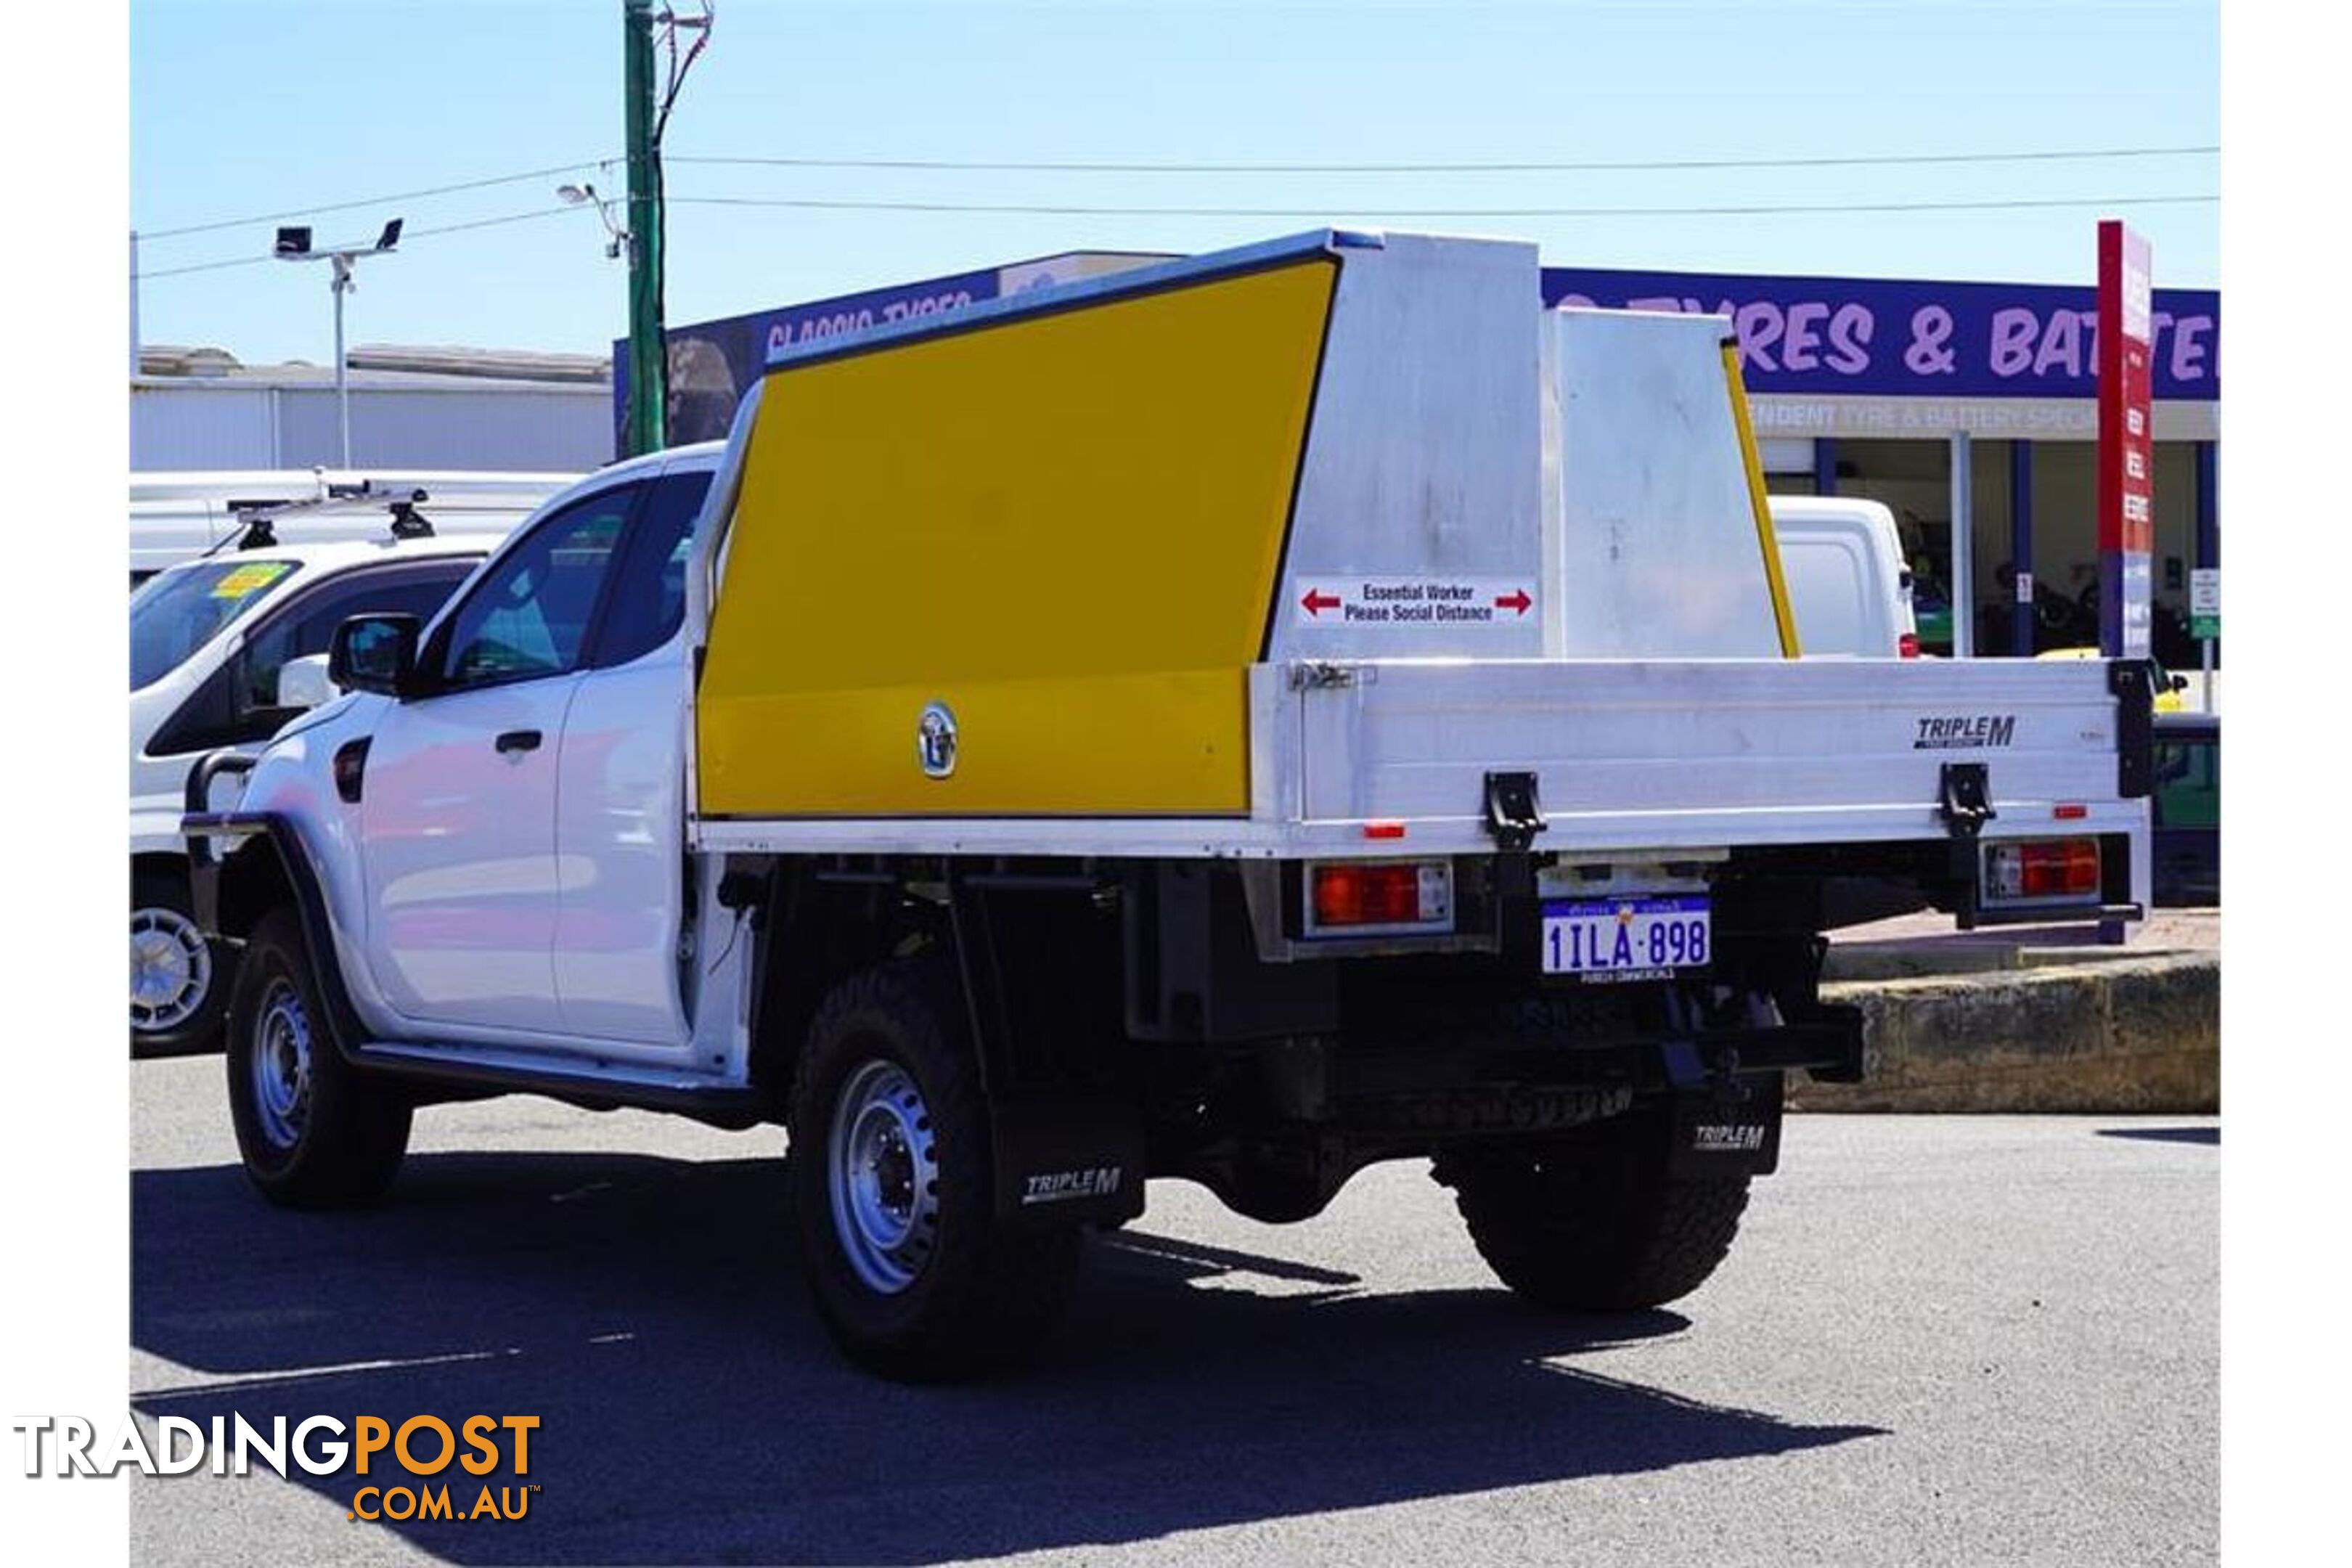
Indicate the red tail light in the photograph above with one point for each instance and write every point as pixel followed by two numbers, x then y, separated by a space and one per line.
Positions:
pixel 2041 869
pixel 1907 645
pixel 1355 894
pixel 2066 868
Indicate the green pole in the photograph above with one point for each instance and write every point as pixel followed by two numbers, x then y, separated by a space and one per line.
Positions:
pixel 648 364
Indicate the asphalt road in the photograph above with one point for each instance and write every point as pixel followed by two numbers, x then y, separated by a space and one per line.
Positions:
pixel 1940 1341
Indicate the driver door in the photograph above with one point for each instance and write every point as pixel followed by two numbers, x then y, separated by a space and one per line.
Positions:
pixel 459 801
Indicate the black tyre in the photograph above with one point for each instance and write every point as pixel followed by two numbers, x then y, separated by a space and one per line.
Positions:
pixel 1595 1223
pixel 313 1132
pixel 892 1192
pixel 177 978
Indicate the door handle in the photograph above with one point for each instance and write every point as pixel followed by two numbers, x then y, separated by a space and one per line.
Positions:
pixel 515 741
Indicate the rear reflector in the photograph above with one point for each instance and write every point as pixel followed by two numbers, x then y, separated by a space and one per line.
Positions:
pixel 1907 645
pixel 1366 896
pixel 2070 811
pixel 2038 870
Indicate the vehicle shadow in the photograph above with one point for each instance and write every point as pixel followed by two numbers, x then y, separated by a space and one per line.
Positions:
pixel 649 1311
pixel 2165 1135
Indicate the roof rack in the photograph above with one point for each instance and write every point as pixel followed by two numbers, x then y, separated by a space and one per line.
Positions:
pixel 256 519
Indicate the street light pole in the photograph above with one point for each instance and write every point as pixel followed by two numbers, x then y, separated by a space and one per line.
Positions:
pixel 342 285
pixel 294 245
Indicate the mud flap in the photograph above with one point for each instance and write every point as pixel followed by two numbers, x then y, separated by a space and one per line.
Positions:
pixel 1067 1160
pixel 1734 1131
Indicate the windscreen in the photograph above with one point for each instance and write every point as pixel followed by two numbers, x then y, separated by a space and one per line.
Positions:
pixel 176 613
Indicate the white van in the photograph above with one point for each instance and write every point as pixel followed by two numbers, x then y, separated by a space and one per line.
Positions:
pixel 224 649
pixel 1847 583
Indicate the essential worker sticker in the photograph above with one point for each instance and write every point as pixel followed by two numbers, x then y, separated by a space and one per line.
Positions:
pixel 1348 602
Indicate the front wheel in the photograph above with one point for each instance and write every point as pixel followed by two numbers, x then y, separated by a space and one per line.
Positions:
pixel 313 1132
pixel 892 1195
pixel 1594 1222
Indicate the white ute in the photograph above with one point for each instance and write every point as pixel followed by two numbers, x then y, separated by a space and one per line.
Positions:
pixel 1293 707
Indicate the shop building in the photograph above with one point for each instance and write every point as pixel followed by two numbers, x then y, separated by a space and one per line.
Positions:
pixel 1971 401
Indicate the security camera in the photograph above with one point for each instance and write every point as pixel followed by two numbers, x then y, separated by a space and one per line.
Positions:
pixel 294 242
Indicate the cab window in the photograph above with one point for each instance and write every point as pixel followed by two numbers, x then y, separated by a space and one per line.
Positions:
pixel 529 616
pixel 648 602
pixel 309 626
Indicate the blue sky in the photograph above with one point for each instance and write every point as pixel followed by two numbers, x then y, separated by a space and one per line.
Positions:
pixel 243 108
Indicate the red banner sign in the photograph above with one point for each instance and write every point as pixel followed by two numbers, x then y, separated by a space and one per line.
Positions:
pixel 2126 490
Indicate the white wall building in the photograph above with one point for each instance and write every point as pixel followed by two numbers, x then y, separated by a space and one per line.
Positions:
pixel 430 408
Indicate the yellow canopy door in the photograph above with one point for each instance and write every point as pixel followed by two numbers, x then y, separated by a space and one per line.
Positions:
pixel 1060 530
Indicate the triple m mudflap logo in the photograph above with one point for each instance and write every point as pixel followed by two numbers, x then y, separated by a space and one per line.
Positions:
pixel 442 1466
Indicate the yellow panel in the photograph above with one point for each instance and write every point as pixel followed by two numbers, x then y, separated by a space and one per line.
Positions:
pixel 1066 527
pixel 1784 617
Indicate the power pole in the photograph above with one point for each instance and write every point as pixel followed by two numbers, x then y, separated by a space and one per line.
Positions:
pixel 647 429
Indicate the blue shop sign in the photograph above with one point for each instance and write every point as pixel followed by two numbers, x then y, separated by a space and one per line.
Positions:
pixel 1883 337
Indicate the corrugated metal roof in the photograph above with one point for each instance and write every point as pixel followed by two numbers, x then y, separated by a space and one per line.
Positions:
pixel 390 365
pixel 311 378
pixel 512 365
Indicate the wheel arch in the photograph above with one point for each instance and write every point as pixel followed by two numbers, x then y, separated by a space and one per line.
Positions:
pixel 816 932
pixel 252 881
pixel 270 868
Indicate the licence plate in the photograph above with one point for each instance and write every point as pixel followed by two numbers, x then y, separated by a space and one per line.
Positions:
pixel 1626 939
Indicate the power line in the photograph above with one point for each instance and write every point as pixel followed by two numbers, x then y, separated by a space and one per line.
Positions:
pixel 410 234
pixel 1042 209
pixel 1760 210
pixel 146 235
pixel 1868 161
pixel 1649 165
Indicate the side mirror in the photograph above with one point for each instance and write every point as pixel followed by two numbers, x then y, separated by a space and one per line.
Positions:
pixel 374 653
pixel 303 683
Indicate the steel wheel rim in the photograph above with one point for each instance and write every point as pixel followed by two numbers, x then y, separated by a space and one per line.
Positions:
pixel 171 969
pixel 280 1065
pixel 883 1177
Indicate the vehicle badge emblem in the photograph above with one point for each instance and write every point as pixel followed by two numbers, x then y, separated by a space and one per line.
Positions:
pixel 935 740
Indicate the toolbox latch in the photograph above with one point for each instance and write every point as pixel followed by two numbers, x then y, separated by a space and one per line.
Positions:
pixel 1965 799
pixel 1513 813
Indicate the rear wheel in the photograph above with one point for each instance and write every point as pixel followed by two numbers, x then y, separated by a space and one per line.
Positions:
pixel 313 1132
pixel 1595 1222
pixel 176 981
pixel 893 1199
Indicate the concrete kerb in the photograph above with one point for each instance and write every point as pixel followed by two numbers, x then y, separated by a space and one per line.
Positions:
pixel 2137 1033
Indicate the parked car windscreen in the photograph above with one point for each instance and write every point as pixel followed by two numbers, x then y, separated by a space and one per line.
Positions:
pixel 178 612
